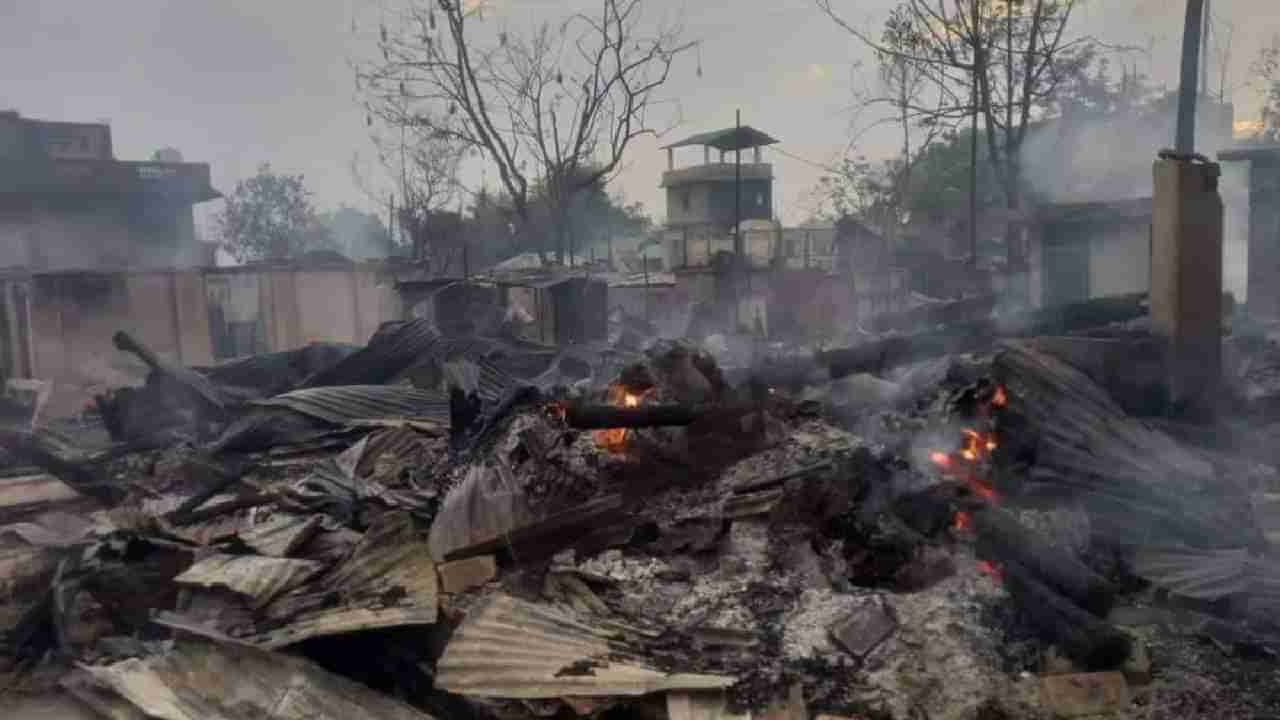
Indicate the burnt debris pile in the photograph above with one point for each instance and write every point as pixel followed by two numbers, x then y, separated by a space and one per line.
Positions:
pixel 964 524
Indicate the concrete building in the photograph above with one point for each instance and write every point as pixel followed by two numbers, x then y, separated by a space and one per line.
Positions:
pixel 1262 226
pixel 66 203
pixel 701 205
pixel 1090 250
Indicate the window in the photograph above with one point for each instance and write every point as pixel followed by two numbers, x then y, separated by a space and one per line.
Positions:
pixel 759 199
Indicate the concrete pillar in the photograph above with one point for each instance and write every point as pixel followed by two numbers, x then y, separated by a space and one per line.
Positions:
pixel 671 158
pixel 757 154
pixel 1264 236
pixel 706 155
pixel 1186 279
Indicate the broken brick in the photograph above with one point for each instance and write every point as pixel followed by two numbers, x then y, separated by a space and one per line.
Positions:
pixel 1085 693
pixel 463 575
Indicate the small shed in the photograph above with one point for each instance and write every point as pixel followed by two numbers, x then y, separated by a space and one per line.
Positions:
pixel 1090 250
pixel 558 307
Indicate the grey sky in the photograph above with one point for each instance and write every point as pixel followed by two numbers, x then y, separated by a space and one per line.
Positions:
pixel 239 82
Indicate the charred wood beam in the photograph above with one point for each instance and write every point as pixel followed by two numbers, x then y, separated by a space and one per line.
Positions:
pixel 1002 538
pixel 78 473
pixel 1084 638
pixel 197 385
pixel 601 417
pixel 881 355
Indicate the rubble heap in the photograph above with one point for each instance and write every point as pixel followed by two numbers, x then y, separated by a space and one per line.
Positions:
pixel 467 528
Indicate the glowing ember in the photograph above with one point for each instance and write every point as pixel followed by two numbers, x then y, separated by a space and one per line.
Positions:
pixel 1000 398
pixel 991 569
pixel 982 489
pixel 615 439
pixel 962 522
pixel 940 458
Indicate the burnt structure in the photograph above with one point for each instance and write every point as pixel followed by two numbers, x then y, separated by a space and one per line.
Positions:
pixel 66 203
pixel 1090 250
pixel 1264 226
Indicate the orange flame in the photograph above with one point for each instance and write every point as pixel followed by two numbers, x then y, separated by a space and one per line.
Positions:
pixel 940 458
pixel 615 439
pixel 1000 398
pixel 963 521
pixel 991 569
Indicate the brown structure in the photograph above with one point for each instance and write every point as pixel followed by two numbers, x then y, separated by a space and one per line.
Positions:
pixel 66 203
pixel 59 326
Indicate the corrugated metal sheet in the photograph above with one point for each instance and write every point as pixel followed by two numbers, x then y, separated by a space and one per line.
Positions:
pixel 391 350
pixel 272 373
pixel 347 403
pixel 280 534
pixel 225 681
pixel 388 581
pixel 260 579
pixel 509 648
pixel 1210 574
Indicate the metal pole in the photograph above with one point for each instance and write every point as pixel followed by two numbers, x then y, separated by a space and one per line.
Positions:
pixel 644 262
pixel 1186 137
pixel 737 214
pixel 973 157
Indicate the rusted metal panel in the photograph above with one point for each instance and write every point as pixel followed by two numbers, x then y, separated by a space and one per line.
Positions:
pixel 509 648
pixel 260 579
pixel 224 681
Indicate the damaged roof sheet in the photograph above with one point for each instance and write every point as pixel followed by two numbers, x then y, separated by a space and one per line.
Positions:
pixel 258 578
pixel 281 534
pixel 388 581
pixel 344 404
pixel 510 648
pixel 1210 574
pixel 393 348
pixel 200 680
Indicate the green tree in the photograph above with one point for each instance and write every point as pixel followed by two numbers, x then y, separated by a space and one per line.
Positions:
pixel 270 215
pixel 358 234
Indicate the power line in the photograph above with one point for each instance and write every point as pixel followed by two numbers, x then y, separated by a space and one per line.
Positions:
pixel 806 161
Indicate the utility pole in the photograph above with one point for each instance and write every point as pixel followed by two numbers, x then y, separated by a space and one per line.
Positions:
pixel 973 144
pixel 1186 136
pixel 739 259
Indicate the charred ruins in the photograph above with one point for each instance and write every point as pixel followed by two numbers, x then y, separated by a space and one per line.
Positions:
pixel 781 473
pixel 994 517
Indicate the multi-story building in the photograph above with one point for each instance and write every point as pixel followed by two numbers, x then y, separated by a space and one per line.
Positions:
pixel 66 203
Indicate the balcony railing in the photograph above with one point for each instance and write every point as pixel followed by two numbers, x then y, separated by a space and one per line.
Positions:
pixel 716 172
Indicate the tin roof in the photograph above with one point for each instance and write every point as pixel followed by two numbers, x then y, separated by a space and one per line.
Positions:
pixel 739 138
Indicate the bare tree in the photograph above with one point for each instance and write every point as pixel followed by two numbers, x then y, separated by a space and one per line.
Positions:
pixel 555 107
pixel 1265 71
pixel 1010 55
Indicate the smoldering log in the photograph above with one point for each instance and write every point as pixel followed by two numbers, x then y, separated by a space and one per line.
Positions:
pixel 881 355
pixel 602 417
pixel 1001 539
pixel 197 385
pixel 1087 640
